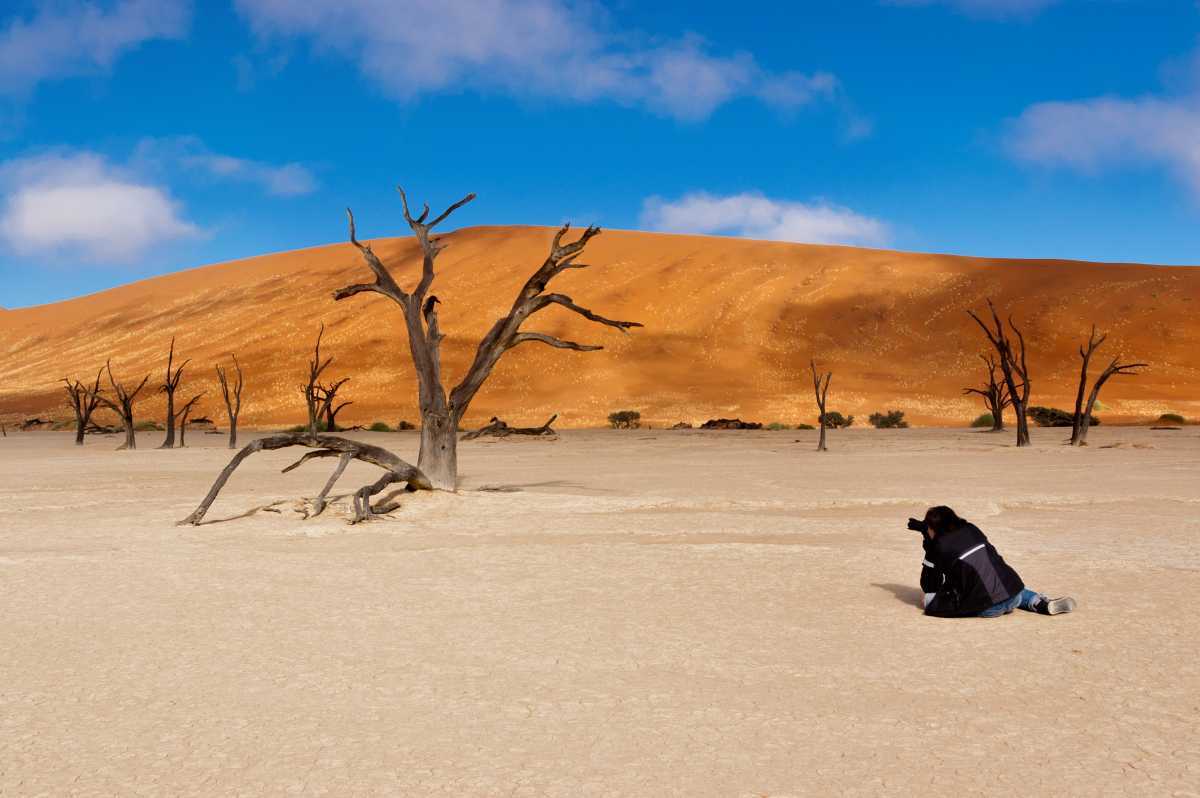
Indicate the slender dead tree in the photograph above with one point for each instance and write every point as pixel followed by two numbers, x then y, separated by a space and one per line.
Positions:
pixel 233 399
pixel 84 401
pixel 1081 421
pixel 183 416
pixel 123 405
pixel 994 393
pixel 821 389
pixel 169 386
pixel 1013 365
pixel 442 412
pixel 312 389
pixel 327 394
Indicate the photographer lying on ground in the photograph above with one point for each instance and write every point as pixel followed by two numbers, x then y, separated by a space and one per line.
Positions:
pixel 963 575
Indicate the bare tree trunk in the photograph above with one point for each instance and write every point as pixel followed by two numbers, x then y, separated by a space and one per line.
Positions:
pixel 183 416
pixel 83 401
pixel 1115 368
pixel 123 405
pixel 1085 356
pixel 169 386
pixel 440 415
pixel 821 390
pixel 1014 366
pixel 233 399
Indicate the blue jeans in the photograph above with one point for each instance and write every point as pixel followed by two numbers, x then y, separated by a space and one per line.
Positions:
pixel 1025 600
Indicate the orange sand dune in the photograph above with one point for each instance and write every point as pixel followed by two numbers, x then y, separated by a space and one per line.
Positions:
pixel 730 326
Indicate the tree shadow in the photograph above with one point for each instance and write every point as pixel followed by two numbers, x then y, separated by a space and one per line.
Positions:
pixel 905 593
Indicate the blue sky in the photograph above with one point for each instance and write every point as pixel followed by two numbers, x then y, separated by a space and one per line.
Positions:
pixel 143 136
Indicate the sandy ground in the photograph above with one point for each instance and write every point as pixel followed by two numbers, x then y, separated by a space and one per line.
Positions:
pixel 611 613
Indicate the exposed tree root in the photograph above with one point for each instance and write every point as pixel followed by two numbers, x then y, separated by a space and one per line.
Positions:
pixel 397 470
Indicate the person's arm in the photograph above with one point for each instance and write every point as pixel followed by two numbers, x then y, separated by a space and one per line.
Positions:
pixel 932 577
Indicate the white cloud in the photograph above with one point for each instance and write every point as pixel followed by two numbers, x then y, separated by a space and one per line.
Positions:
pixel 529 47
pixel 189 153
pixel 80 205
pixel 752 215
pixel 70 37
pixel 985 8
pixel 1093 135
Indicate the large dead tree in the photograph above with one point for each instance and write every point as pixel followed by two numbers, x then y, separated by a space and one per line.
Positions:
pixel 169 386
pixel 442 412
pixel 1013 365
pixel 184 412
pixel 821 389
pixel 121 403
pixel 1081 421
pixel 233 399
pixel 84 401
pixel 994 393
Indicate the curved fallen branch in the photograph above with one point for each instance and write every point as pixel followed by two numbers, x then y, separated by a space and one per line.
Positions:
pixel 501 429
pixel 397 470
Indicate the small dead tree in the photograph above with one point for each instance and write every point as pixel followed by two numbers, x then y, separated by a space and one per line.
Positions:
pixel 994 393
pixel 500 429
pixel 169 386
pixel 84 401
pixel 821 389
pixel 184 412
pixel 233 399
pixel 1081 421
pixel 441 413
pixel 123 405
pixel 1013 366
pixel 327 394
pixel 312 389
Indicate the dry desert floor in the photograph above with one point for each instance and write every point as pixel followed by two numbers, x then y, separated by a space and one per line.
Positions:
pixel 609 613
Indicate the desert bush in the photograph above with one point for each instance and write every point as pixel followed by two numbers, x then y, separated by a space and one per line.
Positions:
pixel 147 426
pixel 805 426
pixel 625 419
pixel 404 425
pixel 984 420
pixel 379 426
pixel 775 426
pixel 835 420
pixel 1054 417
pixel 1172 418
pixel 892 419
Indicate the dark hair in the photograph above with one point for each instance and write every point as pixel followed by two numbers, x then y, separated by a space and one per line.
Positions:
pixel 942 519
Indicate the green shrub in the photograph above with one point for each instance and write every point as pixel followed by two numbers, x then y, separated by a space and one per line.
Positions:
pixel 893 419
pixel 625 419
pixel 836 420
pixel 805 426
pixel 1172 418
pixel 984 420
pixel 1054 417
pixel 147 426
pixel 776 426
pixel 379 426
pixel 404 425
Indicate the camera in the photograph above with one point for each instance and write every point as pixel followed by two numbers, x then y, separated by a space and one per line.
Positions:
pixel 916 525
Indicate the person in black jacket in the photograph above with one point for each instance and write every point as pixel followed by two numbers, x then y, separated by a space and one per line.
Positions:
pixel 963 575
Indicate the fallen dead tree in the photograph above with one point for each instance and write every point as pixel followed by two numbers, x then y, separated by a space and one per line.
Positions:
pixel 500 429
pixel 395 470
pixel 730 423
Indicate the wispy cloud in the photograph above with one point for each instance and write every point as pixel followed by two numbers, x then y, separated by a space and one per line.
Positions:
pixel 67 38
pixel 753 215
pixel 997 9
pixel 81 206
pixel 189 153
pixel 531 47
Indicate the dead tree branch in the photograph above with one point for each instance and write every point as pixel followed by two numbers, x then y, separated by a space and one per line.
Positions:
pixel 500 429
pixel 169 386
pixel 184 412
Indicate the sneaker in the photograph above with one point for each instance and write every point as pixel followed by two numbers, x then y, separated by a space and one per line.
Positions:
pixel 1057 606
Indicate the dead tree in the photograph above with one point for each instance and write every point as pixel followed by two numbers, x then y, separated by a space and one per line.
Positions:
pixel 169 386
pixel 312 389
pixel 1081 421
pixel 821 389
pixel 233 399
pixel 442 412
pixel 123 405
pixel 184 412
pixel 994 393
pixel 500 429
pixel 84 401
pixel 1012 364
pixel 327 395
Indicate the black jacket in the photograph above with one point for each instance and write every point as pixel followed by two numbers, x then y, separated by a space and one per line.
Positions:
pixel 963 574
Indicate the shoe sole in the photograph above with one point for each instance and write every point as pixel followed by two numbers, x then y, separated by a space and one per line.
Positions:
pixel 1060 605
